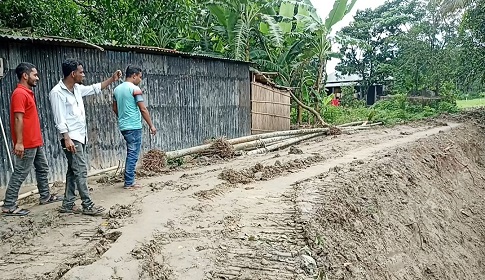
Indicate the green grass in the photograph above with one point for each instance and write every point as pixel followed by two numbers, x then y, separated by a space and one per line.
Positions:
pixel 470 103
pixel 394 110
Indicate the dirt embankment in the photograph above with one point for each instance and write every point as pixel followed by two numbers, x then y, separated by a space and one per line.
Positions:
pixel 415 213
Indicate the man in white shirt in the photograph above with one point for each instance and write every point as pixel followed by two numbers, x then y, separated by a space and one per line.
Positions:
pixel 70 119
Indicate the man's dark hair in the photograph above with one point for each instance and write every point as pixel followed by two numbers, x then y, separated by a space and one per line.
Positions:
pixel 70 65
pixel 132 70
pixel 24 68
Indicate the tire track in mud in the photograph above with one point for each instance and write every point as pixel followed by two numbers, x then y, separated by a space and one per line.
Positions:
pixel 270 247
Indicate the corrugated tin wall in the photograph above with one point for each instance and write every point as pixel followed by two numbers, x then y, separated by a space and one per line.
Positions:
pixel 190 100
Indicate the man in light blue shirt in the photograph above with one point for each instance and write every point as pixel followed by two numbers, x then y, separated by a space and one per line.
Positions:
pixel 129 107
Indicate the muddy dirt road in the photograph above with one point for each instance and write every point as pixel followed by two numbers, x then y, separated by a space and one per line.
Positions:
pixel 389 203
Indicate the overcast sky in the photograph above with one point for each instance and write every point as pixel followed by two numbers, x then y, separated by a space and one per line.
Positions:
pixel 324 6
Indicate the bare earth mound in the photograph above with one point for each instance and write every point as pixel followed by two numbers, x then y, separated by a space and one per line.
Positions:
pixel 416 213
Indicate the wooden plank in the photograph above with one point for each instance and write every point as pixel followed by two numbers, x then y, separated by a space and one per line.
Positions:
pixel 262 130
pixel 271 89
pixel 271 102
pixel 268 114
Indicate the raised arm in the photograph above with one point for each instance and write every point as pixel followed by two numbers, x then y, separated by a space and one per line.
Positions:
pixel 97 88
pixel 115 77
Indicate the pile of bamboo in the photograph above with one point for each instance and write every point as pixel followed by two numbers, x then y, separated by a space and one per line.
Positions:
pixel 267 142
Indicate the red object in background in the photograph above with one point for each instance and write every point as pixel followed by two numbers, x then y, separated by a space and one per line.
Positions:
pixel 335 102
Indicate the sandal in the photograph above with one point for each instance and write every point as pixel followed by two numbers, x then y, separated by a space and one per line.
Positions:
pixel 15 212
pixel 73 210
pixel 53 198
pixel 93 210
pixel 132 187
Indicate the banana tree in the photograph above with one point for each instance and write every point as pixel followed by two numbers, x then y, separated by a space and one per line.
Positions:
pixel 238 24
pixel 305 51
pixel 321 44
pixel 318 49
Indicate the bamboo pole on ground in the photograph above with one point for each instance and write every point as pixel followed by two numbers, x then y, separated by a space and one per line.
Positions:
pixel 98 172
pixel 375 124
pixel 284 143
pixel 302 138
pixel 244 139
pixel 260 142
pixel 201 148
pixel 275 134
pixel 351 124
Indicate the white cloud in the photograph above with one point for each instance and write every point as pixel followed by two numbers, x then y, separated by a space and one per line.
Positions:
pixel 323 8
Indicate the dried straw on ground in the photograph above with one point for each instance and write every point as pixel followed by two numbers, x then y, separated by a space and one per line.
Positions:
pixel 220 147
pixel 334 131
pixel 154 161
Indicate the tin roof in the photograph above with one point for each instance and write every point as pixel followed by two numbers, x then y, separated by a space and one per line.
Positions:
pixel 337 77
pixel 83 44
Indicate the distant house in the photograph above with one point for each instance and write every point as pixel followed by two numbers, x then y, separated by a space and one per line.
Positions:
pixel 336 81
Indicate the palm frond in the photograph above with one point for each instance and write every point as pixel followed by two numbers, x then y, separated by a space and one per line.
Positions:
pixel 258 54
pixel 339 10
pixel 240 39
pixel 268 65
pixel 219 13
pixel 275 33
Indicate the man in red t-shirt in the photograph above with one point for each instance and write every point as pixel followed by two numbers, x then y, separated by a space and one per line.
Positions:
pixel 28 144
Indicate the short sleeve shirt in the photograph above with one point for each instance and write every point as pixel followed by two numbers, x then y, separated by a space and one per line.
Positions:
pixel 127 95
pixel 23 101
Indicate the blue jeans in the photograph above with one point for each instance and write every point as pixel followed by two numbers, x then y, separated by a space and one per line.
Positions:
pixel 133 148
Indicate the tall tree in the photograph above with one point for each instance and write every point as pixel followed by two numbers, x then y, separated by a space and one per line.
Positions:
pixel 472 37
pixel 427 52
pixel 368 43
pixel 450 6
pixel 410 41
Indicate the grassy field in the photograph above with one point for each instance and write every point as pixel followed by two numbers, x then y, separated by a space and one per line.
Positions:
pixel 471 103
